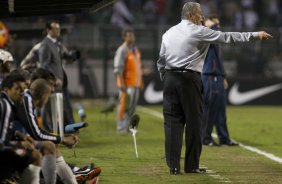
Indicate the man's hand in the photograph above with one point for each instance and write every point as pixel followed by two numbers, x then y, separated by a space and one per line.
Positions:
pixel 264 35
pixel 70 140
pixel 122 88
pixel 27 145
pixel 58 83
pixel 30 139
pixel 25 137
pixel 162 76
pixel 225 83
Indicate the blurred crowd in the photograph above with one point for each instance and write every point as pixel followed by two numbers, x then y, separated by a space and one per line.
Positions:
pixel 236 13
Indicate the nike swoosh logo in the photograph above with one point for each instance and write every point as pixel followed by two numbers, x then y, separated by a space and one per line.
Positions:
pixel 151 95
pixel 235 97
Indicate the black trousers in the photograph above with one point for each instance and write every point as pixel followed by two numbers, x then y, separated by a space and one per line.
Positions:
pixel 182 107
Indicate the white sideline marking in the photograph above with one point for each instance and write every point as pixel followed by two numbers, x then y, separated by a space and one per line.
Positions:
pixel 209 172
pixel 151 111
pixel 258 151
pixel 250 148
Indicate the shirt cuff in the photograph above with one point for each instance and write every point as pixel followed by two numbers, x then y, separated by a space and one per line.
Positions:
pixel 255 34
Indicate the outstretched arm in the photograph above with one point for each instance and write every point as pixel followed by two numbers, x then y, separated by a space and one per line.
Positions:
pixel 208 35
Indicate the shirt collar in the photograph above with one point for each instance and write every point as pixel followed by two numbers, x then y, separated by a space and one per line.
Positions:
pixel 186 21
pixel 4 95
pixel 52 39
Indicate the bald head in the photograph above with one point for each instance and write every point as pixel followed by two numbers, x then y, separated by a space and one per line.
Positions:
pixel 192 11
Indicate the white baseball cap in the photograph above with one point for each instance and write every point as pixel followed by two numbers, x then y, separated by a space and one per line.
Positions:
pixel 5 56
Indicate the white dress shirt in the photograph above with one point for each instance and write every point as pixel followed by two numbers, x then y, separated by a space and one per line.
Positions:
pixel 185 45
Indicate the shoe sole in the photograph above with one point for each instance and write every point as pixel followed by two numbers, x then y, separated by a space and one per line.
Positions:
pixel 94 180
pixel 90 175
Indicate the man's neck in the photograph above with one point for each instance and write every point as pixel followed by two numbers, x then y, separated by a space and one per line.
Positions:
pixel 51 38
pixel 36 104
pixel 129 45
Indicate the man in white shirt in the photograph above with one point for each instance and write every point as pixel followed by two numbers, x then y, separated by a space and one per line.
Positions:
pixel 183 51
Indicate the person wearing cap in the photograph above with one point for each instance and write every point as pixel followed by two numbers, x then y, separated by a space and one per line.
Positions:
pixel 6 63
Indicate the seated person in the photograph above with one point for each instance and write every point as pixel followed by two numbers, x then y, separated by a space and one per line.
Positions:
pixel 17 151
pixel 34 98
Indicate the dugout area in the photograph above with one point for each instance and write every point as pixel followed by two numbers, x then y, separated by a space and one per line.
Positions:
pixel 24 8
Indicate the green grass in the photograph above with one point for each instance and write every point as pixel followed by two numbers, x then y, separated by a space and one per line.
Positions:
pixel 114 153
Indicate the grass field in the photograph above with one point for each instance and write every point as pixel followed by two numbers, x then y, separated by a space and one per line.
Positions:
pixel 259 127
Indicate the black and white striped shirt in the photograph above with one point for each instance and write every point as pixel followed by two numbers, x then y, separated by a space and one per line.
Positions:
pixel 6 119
pixel 27 117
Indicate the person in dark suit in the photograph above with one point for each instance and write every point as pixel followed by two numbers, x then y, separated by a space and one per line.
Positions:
pixel 215 83
pixel 50 56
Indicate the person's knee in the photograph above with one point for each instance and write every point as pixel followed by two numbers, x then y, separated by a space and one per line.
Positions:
pixel 49 148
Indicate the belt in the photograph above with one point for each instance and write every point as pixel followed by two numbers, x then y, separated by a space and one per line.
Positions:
pixel 182 70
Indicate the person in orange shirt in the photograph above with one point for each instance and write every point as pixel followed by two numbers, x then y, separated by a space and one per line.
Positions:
pixel 127 68
pixel 4 35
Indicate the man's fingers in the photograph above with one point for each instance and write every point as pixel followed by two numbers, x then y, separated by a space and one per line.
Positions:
pixel 269 35
pixel 265 36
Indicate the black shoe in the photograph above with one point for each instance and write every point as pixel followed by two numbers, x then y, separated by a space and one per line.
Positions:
pixel 198 171
pixel 134 121
pixel 230 143
pixel 174 171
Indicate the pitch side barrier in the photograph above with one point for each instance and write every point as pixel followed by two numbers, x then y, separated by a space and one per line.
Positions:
pixel 92 76
pixel 241 91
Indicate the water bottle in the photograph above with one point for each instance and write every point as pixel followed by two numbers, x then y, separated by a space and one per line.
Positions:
pixel 81 112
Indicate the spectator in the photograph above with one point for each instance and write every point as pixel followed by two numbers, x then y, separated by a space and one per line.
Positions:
pixel 121 15
pixel 149 12
pixel 6 63
pixel 28 160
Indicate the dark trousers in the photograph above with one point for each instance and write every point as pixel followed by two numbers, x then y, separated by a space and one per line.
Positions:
pixel 68 111
pixel 214 109
pixel 182 107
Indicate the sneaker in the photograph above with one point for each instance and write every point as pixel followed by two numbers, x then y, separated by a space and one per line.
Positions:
pixel 94 180
pixel 198 171
pixel 87 175
pixel 212 143
pixel 82 170
pixel 230 143
pixel 134 121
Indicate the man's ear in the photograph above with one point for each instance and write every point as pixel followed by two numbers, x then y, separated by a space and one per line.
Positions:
pixel 209 23
pixel 189 16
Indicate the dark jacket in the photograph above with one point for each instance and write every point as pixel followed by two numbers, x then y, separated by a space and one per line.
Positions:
pixel 7 118
pixel 27 117
pixel 50 58
pixel 213 64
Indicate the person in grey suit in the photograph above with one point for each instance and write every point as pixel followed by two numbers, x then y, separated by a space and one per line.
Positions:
pixel 50 56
